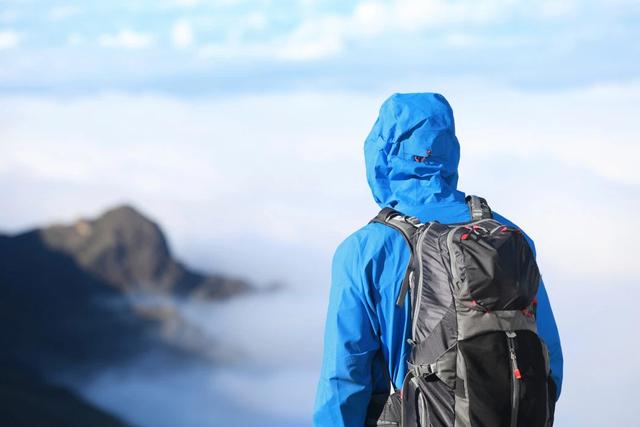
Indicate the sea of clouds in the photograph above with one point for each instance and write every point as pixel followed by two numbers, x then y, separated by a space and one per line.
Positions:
pixel 266 186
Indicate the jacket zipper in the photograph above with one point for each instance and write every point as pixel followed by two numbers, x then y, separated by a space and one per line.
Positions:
pixel 515 378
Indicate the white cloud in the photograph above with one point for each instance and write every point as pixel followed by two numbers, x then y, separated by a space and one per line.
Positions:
pixel 557 8
pixel 186 3
pixel 62 12
pixel 313 39
pixel 256 20
pixel 325 35
pixel 75 39
pixel 371 17
pixel 126 39
pixel 8 16
pixel 560 164
pixel 321 36
pixel 182 34
pixel 9 39
pixel 170 153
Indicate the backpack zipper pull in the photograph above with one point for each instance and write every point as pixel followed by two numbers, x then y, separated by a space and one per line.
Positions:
pixel 512 353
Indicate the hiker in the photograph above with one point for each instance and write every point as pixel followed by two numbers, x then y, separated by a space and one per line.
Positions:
pixel 412 157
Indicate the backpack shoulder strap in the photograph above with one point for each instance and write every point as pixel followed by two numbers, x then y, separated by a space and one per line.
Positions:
pixel 479 208
pixel 407 226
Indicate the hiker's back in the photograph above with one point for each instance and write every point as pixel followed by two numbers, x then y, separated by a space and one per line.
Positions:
pixel 474 354
pixel 411 158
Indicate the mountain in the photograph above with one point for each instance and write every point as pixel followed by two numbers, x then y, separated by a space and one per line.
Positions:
pixel 83 297
pixel 98 290
pixel 28 400
pixel 129 251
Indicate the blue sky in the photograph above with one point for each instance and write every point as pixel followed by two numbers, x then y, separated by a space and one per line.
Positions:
pixel 191 47
pixel 239 127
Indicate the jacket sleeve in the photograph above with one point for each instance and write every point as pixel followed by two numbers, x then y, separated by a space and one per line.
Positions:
pixel 548 330
pixel 350 344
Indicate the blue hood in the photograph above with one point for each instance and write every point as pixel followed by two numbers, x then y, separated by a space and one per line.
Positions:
pixel 412 153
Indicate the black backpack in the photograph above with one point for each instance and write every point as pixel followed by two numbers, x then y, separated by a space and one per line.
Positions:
pixel 476 358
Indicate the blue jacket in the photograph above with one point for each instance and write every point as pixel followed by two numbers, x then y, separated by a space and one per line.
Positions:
pixel 369 265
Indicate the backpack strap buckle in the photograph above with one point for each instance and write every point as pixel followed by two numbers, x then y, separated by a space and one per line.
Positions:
pixel 479 208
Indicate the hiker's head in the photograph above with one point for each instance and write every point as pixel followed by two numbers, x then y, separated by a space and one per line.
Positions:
pixel 412 152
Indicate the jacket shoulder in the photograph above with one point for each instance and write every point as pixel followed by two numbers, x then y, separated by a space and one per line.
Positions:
pixel 370 239
pixel 370 247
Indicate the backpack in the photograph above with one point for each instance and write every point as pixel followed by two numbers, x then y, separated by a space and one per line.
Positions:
pixel 475 357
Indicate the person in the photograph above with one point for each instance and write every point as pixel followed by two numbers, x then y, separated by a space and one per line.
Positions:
pixel 366 333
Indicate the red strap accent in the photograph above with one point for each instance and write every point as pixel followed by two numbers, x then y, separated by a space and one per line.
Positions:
pixel 517 374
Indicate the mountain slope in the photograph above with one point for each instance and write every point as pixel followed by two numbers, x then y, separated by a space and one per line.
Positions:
pixel 28 401
pixel 129 251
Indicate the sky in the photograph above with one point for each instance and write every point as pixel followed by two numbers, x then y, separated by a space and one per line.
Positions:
pixel 239 126
pixel 191 47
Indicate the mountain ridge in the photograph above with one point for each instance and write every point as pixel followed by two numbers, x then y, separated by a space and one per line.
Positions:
pixel 129 251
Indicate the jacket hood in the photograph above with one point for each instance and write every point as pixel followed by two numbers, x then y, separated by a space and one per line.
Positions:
pixel 412 153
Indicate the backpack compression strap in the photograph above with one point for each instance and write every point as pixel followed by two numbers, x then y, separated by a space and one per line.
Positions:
pixel 479 208
pixel 406 225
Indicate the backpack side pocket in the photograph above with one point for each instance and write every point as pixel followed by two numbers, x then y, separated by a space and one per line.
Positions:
pixel 384 410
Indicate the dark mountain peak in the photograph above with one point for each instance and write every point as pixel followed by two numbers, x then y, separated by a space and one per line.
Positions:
pixel 125 215
pixel 122 246
pixel 124 209
pixel 129 251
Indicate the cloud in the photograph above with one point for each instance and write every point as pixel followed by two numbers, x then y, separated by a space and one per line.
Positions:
pixel 560 164
pixel 185 3
pixel 182 34
pixel 75 39
pixel 126 39
pixel 313 39
pixel 365 45
pixel 256 20
pixel 326 35
pixel 9 39
pixel 259 351
pixel 8 16
pixel 63 12
pixel 290 156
